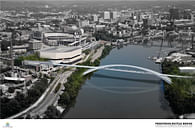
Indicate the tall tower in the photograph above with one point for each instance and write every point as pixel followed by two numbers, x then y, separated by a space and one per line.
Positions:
pixel 106 15
pixel 113 15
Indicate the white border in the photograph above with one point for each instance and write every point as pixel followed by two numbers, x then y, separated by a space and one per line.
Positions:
pixel 95 124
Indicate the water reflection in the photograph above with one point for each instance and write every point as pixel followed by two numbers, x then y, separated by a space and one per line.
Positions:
pixel 126 79
pixel 110 94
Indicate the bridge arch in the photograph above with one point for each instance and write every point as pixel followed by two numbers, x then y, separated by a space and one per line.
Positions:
pixel 164 78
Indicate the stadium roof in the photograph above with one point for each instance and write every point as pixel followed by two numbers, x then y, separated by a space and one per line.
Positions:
pixel 60 49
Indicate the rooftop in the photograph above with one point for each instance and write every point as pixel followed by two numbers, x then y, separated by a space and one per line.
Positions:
pixel 60 49
pixel 58 35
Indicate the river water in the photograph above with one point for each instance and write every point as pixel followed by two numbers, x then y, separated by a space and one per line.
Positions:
pixel 109 94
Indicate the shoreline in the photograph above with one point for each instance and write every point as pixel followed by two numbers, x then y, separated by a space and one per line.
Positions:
pixel 94 62
pixel 177 94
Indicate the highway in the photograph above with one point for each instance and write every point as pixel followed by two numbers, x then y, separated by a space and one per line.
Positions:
pixel 97 54
pixel 51 97
pixel 38 102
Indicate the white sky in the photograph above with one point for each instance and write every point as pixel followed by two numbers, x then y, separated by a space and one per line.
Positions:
pixel 97 0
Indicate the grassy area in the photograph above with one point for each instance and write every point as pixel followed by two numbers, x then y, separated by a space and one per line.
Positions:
pixel 181 93
pixel 33 57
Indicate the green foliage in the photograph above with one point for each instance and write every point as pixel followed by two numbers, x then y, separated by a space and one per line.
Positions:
pixel 33 57
pixel 13 106
pixel 106 51
pixel 181 93
pixel 75 81
pixel 87 51
pixel 52 113
pixel 170 68
pixel 64 99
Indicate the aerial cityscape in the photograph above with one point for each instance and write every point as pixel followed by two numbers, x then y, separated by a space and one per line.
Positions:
pixel 97 59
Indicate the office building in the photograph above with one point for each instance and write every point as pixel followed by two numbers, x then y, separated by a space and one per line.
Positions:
pixel 95 18
pixel 114 15
pixel 35 45
pixel 106 15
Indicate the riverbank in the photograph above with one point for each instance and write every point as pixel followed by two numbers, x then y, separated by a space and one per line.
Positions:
pixel 114 95
pixel 181 93
pixel 76 80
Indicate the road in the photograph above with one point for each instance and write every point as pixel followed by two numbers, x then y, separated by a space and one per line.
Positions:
pixel 51 97
pixel 22 113
pixel 97 54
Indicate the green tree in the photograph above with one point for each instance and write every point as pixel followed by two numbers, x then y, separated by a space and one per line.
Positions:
pixel 64 99
pixel 52 113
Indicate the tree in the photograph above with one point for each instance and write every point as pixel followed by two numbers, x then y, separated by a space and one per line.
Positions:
pixel 52 113
pixel 11 89
pixel 28 116
pixel 33 95
pixel 13 107
pixel 64 99
pixel 4 45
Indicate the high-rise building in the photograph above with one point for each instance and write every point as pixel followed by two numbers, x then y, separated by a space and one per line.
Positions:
pixel 114 15
pixel 95 18
pixel 193 16
pixel 106 15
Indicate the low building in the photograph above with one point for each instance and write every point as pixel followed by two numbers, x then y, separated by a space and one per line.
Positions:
pixel 180 58
pixel 84 23
pixel 38 35
pixel 62 54
pixel 20 48
pixel 95 18
pixel 35 45
pixel 100 27
pixel 187 69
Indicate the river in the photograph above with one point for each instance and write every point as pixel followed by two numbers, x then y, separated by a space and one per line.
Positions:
pixel 109 94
